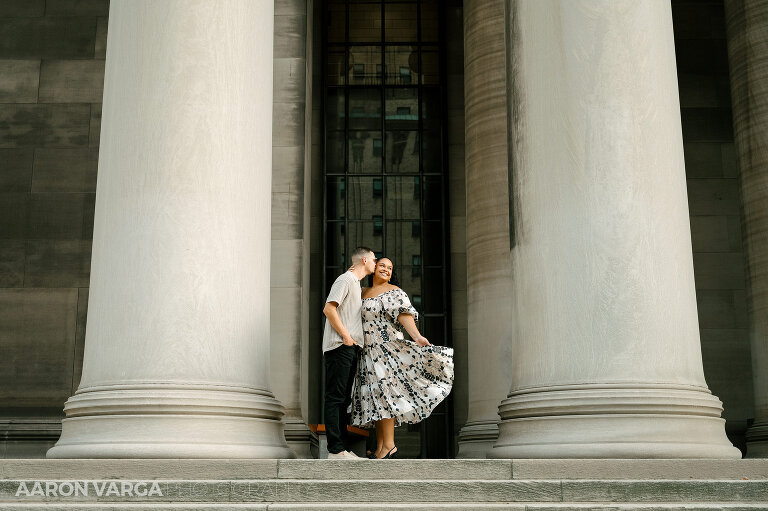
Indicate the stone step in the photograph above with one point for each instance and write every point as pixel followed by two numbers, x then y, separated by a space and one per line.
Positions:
pixel 406 491
pixel 236 469
pixel 366 506
pixel 398 484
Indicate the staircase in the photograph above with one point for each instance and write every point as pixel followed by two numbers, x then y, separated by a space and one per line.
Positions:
pixel 371 485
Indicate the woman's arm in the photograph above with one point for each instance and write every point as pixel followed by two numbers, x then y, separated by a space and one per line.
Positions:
pixel 407 321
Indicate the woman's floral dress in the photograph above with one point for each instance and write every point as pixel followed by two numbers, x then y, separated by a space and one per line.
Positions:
pixel 397 378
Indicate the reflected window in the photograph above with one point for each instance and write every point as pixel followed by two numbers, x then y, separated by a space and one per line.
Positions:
pixel 416 261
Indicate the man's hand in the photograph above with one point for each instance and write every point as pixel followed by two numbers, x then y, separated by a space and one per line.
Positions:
pixel 347 340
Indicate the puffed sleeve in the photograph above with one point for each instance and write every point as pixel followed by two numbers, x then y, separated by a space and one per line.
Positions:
pixel 398 303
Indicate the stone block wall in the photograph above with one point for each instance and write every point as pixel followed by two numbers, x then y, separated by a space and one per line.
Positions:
pixel 51 78
pixel 714 202
pixel 289 297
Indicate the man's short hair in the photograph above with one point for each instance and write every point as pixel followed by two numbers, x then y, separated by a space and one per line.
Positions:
pixel 359 253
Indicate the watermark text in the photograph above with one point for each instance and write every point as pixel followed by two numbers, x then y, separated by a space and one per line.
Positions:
pixel 89 488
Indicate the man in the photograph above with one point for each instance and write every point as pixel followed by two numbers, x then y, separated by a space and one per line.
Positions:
pixel 342 339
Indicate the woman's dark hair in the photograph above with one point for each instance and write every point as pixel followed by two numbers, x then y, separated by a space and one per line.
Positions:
pixel 392 280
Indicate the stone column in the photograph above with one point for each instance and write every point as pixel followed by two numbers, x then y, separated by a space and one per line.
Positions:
pixel 606 352
pixel 488 298
pixel 747 23
pixel 177 344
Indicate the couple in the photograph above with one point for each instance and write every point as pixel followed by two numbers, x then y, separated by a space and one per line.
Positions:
pixel 396 380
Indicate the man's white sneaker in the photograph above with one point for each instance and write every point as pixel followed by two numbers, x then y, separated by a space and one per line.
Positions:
pixel 343 455
pixel 352 455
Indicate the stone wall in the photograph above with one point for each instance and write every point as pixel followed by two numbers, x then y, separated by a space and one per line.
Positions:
pixel 51 76
pixel 290 216
pixel 714 202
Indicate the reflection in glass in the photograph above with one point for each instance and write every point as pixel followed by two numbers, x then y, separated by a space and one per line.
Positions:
pixel 402 108
pixel 364 109
pixel 336 251
pixel 409 282
pixel 334 152
pixel 334 109
pixel 334 198
pixel 416 267
pixel 433 243
pixel 429 21
pixel 432 155
pixel 402 151
pixel 400 22
pixel 365 65
pixel 400 198
pixel 336 20
pixel 432 195
pixel 401 245
pixel 361 234
pixel 363 200
pixel 364 22
pixel 364 152
pixel 433 294
pixel 334 68
pixel 430 108
pixel 433 327
pixel 402 65
pixel 430 65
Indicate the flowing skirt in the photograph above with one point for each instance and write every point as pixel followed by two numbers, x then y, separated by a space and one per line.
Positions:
pixel 399 379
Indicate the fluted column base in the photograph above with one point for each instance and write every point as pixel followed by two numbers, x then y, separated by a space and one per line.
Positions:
pixel 172 421
pixel 477 438
pixel 757 440
pixel 298 436
pixel 612 421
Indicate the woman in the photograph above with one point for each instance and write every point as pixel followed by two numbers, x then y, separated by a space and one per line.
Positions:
pixel 398 381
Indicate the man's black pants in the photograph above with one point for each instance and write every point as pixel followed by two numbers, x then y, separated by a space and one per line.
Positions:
pixel 340 365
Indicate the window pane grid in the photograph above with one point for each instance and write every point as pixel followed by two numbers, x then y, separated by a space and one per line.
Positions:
pixel 384 150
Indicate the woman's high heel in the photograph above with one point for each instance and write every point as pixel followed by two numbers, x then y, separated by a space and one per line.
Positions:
pixel 391 454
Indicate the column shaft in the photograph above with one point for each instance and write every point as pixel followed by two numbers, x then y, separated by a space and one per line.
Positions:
pixel 488 298
pixel 747 24
pixel 177 345
pixel 607 358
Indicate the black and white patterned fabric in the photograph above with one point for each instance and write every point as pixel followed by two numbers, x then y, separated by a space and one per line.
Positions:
pixel 397 378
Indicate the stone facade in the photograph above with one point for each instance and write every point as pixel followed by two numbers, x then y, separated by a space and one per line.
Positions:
pixel 51 75
pixel 52 57
pixel 714 206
